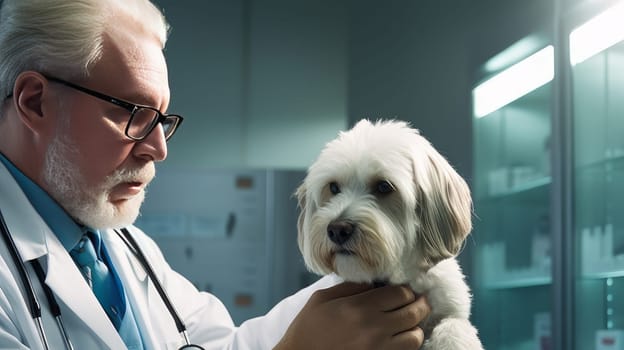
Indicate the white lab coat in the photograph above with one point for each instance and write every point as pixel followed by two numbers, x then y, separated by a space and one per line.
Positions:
pixel 208 322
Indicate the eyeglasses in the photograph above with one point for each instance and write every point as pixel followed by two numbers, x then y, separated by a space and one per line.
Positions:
pixel 143 119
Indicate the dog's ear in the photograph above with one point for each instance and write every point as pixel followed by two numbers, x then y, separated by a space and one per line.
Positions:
pixel 443 204
pixel 300 193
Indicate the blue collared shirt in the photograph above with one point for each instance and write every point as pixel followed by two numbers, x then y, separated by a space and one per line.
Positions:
pixel 64 227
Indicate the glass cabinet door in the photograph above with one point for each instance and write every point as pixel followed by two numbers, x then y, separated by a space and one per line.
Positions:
pixel 598 172
pixel 512 237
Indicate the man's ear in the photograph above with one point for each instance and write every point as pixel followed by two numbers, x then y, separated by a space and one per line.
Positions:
pixel 30 93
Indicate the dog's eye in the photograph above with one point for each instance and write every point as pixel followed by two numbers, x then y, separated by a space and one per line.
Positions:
pixel 384 187
pixel 334 188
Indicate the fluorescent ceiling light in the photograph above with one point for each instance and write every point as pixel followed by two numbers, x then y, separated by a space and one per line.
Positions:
pixel 513 53
pixel 514 82
pixel 597 34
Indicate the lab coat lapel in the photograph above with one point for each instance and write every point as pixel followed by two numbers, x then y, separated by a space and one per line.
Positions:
pixel 123 256
pixel 69 286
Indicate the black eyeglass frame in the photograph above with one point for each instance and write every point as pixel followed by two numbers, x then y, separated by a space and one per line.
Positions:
pixel 130 107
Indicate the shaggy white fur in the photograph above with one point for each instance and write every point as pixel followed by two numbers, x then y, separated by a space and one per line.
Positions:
pixel 380 204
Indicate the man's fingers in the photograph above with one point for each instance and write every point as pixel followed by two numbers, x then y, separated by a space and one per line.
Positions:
pixel 409 316
pixel 385 298
pixel 389 298
pixel 340 291
pixel 411 339
pixel 389 317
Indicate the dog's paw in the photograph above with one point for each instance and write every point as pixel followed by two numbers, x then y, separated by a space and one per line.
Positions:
pixel 453 334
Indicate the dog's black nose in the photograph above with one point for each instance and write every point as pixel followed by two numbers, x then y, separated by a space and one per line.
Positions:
pixel 340 231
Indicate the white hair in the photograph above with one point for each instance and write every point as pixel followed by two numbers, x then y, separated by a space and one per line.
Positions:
pixel 63 37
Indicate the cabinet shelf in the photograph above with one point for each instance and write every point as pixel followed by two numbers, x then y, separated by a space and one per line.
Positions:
pixel 597 258
pixel 525 190
pixel 496 275
pixel 598 274
pixel 510 282
pixel 609 163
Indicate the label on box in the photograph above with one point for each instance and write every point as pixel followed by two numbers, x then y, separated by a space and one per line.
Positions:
pixel 610 339
pixel 542 332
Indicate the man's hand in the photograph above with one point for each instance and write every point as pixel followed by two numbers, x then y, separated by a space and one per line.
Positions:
pixel 354 316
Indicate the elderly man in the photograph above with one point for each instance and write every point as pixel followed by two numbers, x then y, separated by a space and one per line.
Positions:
pixel 82 123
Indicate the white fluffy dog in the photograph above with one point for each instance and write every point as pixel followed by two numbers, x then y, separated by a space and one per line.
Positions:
pixel 380 204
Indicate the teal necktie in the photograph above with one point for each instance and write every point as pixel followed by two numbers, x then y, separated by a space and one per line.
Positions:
pixel 89 256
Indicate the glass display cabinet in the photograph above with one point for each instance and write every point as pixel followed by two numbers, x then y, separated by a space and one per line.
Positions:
pixel 596 49
pixel 512 137
pixel 549 187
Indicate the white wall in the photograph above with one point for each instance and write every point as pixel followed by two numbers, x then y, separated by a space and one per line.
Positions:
pixel 260 83
pixel 298 80
pixel 204 53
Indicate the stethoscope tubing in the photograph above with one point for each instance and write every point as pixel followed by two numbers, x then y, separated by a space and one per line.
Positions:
pixel 132 244
pixel 35 306
pixel 33 302
pixel 138 253
pixel 55 309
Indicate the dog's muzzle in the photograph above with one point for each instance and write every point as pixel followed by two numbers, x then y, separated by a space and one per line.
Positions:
pixel 340 232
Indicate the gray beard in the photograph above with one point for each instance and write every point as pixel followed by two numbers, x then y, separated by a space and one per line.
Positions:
pixel 87 205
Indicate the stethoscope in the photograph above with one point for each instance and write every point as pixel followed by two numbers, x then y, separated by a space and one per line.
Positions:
pixel 35 306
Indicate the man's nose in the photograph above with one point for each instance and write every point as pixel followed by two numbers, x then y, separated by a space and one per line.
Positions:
pixel 154 146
